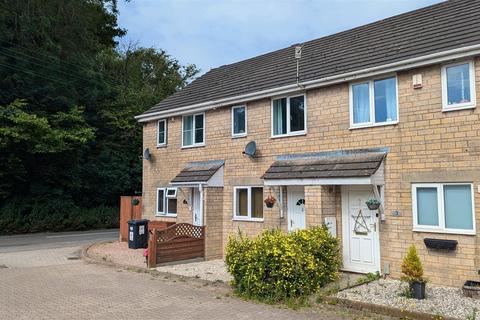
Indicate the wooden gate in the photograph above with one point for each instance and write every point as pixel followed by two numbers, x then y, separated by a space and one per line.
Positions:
pixel 181 241
pixel 130 208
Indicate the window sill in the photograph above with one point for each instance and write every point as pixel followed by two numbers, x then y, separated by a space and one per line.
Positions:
pixel 373 125
pixel 194 146
pixel 443 231
pixel 162 215
pixel 247 219
pixel 294 134
pixel 160 146
pixel 458 107
pixel 236 136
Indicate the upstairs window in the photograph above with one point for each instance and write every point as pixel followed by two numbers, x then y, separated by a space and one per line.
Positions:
pixel 161 133
pixel 193 130
pixel 289 116
pixel 248 203
pixel 239 121
pixel 373 102
pixel 458 86
pixel 443 208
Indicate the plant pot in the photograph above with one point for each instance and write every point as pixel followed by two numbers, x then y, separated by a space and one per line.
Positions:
pixel 417 290
pixel 373 206
pixel 471 289
pixel 270 205
pixel 135 202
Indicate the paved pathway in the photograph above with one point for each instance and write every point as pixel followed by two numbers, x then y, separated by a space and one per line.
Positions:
pixel 49 284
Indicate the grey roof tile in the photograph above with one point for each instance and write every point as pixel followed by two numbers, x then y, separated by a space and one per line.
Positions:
pixel 445 26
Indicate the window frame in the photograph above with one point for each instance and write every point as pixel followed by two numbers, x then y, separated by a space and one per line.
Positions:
pixel 473 91
pixel 289 133
pixel 441 209
pixel 249 204
pixel 164 143
pixel 165 213
pixel 371 93
pixel 239 135
pixel 171 196
pixel 194 145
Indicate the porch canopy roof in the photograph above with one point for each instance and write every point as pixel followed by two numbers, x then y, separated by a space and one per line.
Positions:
pixel 345 167
pixel 208 173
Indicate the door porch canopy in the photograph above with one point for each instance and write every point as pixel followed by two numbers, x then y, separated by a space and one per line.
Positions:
pixel 206 173
pixel 345 167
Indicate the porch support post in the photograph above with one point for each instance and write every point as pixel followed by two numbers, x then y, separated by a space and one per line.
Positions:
pixel 152 249
pixel 378 196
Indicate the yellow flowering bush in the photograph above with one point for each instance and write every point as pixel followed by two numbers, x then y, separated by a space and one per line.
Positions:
pixel 275 266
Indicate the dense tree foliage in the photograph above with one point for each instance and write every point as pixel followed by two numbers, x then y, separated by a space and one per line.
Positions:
pixel 68 139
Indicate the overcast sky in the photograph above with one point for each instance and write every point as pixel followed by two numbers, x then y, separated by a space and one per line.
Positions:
pixel 212 33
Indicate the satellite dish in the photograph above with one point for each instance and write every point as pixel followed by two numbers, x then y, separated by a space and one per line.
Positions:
pixel 250 149
pixel 147 155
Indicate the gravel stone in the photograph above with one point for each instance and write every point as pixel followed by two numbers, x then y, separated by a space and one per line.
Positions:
pixel 443 301
pixel 212 270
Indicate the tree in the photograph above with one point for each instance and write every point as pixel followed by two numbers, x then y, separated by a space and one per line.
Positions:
pixel 67 101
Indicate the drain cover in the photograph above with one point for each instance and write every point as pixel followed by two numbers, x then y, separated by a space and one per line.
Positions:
pixel 73 258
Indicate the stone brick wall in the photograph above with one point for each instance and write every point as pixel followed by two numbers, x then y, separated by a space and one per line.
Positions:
pixel 214 223
pixel 426 145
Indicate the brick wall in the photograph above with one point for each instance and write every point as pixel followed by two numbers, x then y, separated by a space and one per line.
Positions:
pixel 426 145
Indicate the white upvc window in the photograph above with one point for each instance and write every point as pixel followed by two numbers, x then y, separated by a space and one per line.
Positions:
pixel 289 116
pixel 374 102
pixel 248 203
pixel 162 133
pixel 193 130
pixel 458 86
pixel 239 121
pixel 167 202
pixel 443 208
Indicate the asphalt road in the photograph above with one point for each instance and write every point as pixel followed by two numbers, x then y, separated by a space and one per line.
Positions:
pixel 39 241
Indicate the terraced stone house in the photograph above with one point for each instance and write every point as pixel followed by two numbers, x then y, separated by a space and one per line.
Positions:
pixel 385 111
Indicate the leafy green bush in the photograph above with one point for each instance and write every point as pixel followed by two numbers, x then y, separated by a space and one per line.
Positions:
pixel 54 214
pixel 276 266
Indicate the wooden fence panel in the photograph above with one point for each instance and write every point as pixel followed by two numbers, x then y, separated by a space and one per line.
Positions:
pixel 128 211
pixel 178 242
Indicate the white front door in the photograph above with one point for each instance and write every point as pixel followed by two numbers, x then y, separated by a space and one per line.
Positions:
pixel 197 207
pixel 361 247
pixel 296 208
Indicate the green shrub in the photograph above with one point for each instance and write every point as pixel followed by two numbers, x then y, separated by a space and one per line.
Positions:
pixel 276 266
pixel 412 268
pixel 54 214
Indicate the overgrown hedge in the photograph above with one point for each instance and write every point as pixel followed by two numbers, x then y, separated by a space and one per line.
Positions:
pixel 20 216
pixel 276 266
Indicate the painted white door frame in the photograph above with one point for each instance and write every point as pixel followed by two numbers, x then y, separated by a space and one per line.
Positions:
pixel 296 213
pixel 374 226
pixel 197 206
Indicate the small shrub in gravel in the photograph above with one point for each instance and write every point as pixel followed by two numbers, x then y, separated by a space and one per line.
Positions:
pixel 276 266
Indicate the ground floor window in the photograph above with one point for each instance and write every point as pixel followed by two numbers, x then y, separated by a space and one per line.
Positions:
pixel 248 203
pixel 166 201
pixel 447 207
